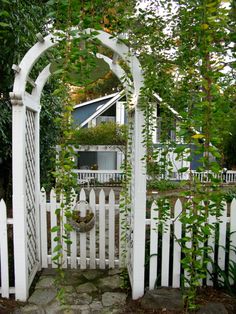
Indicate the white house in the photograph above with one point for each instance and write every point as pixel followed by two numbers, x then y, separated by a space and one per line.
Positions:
pixel 109 158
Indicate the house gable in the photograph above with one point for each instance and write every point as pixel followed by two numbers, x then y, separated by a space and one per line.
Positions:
pixel 84 111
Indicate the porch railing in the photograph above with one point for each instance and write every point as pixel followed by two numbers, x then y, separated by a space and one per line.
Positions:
pixel 99 177
pixel 227 177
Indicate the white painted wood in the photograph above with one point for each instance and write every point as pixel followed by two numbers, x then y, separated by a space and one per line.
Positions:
pixel 44 231
pixel 176 245
pixel 120 113
pixel 102 217
pixel 30 102
pixel 153 245
pixel 30 58
pixel 211 253
pixel 122 240
pixel 73 238
pixel 111 229
pixel 21 78
pixel 4 267
pixel 139 208
pixel 92 234
pixel 118 71
pixel 82 208
pixel 103 176
pixel 200 243
pixel 188 245
pixel 123 51
pixel 53 219
pixel 165 254
pixel 222 238
pixel 120 158
pixel 63 221
pixel 232 253
pixel 37 188
pixel 98 148
pixel 19 212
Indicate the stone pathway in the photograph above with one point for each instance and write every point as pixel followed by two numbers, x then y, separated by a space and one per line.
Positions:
pixel 89 291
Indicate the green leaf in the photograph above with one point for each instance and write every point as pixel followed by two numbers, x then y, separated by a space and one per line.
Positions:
pixel 179 149
pixel 57 248
pixel 55 229
pixel 183 169
pixel 3 24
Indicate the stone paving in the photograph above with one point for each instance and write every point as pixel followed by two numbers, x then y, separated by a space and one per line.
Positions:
pixel 85 291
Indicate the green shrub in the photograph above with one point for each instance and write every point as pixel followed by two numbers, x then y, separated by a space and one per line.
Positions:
pixel 108 133
pixel 163 185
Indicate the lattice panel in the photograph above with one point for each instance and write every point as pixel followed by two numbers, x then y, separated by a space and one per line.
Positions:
pixel 32 250
pixel 131 220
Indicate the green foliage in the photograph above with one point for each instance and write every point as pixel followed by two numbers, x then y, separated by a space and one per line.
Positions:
pixel 229 147
pixel 164 185
pixel 103 134
pixel 229 195
pixel 5 129
pixel 183 55
pixel 50 134
pixel 225 279
pixel 20 21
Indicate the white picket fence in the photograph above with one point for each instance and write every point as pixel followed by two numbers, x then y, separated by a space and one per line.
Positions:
pixel 5 288
pixel 96 248
pixel 166 245
pixel 100 247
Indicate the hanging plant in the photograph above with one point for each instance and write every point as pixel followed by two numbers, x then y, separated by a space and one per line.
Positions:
pixel 79 222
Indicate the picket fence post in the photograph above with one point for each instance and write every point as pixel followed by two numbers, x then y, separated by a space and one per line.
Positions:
pixel 232 252
pixel 4 267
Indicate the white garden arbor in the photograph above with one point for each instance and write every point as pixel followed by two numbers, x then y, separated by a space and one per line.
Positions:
pixel 26 175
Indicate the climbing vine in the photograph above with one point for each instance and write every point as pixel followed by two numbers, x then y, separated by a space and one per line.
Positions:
pixel 183 50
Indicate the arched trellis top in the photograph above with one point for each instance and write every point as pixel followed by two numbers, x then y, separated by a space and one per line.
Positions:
pixel 25 156
pixel 46 43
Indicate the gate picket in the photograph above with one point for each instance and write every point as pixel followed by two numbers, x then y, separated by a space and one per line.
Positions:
pixel 222 238
pixel 73 238
pixel 82 236
pixel 53 219
pixel 176 246
pixel 165 253
pixel 102 219
pixel 153 245
pixel 92 234
pixel 111 229
pixel 43 225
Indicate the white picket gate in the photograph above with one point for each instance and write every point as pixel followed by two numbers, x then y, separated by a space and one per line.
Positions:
pixel 97 248
pixel 171 254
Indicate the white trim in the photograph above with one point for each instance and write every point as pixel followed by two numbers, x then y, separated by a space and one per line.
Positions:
pixel 103 108
pixel 89 102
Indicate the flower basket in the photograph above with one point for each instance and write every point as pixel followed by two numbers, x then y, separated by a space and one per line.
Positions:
pixel 80 223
